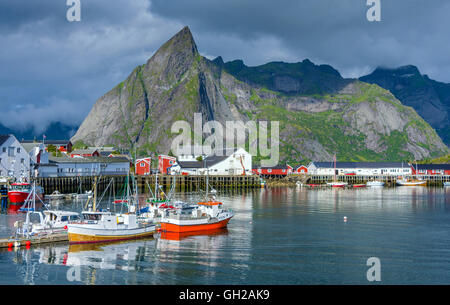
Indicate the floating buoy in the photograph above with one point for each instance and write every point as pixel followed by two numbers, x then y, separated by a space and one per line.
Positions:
pixel 10 245
pixel 65 227
pixel 28 243
pixel 345 218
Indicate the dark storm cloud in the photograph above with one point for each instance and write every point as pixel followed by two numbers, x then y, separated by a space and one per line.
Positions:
pixel 54 70
pixel 326 31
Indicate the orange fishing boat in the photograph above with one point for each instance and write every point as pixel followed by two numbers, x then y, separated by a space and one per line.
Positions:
pixel 207 216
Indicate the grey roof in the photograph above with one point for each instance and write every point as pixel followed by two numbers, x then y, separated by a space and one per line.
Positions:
pixel 330 164
pixel 432 166
pixel 84 151
pixel 208 162
pixel 4 138
pixel 53 159
pixel 29 146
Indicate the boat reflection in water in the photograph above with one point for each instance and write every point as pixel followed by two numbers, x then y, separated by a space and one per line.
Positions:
pixel 177 236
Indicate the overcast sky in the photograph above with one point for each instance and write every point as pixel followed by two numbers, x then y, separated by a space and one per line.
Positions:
pixel 54 70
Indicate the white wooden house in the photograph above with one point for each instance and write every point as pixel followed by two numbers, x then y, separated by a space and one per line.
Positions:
pixel 14 159
pixel 360 168
pixel 230 161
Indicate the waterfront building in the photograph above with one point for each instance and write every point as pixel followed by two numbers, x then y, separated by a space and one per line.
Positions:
pixel 14 159
pixel 231 161
pixel 302 169
pixel 274 171
pixel 165 163
pixel 143 166
pixel 360 168
pixel 74 167
pixel 430 169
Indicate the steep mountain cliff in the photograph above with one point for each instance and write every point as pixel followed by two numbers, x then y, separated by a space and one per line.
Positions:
pixel 431 99
pixel 320 113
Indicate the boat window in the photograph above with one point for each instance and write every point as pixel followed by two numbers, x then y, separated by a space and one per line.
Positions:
pixel 74 217
pixel 64 218
pixel 91 216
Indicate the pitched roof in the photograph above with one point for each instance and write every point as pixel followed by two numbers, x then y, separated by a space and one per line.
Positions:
pixel 84 151
pixel 63 159
pixel 330 164
pixel 47 142
pixel 4 138
pixel 432 166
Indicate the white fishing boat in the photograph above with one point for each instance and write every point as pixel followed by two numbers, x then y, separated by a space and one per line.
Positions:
pixel 447 183
pixel 105 226
pixel 375 183
pixel 335 182
pixel 411 182
pixel 204 216
pixel 56 195
pixel 53 222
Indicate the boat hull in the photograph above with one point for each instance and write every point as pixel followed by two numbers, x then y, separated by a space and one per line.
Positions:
pixel 18 198
pixel 412 183
pixel 179 228
pixel 79 235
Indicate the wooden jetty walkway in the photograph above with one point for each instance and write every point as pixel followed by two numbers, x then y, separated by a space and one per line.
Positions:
pixel 33 240
pixel 67 185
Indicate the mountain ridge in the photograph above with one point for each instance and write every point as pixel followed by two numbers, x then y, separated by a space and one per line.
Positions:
pixel 320 113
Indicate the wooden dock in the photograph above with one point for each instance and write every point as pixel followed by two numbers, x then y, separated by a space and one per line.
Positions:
pixel 34 240
pixel 67 185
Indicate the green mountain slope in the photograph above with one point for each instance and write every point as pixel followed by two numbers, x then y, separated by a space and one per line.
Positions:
pixel 320 113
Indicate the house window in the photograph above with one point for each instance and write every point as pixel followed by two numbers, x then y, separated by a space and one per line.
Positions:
pixel 170 162
pixel 269 170
pixel 18 150
pixel 22 160
pixel 10 151
pixel 142 164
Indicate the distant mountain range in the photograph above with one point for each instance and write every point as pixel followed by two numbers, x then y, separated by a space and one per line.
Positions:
pixel 55 131
pixel 320 112
pixel 431 99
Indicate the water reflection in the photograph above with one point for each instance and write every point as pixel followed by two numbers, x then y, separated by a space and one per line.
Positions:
pixel 277 236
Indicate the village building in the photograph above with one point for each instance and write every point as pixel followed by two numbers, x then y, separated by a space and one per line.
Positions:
pixel 14 159
pixel 92 166
pixel 430 169
pixel 87 152
pixel 165 163
pixel 302 169
pixel 230 161
pixel 360 168
pixel 143 166
pixel 61 145
pixel 274 171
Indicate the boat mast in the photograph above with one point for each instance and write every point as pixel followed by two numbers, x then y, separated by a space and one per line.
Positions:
pixel 334 159
pixel 95 194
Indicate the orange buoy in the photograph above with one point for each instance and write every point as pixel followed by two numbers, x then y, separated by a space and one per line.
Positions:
pixel 27 243
pixel 10 245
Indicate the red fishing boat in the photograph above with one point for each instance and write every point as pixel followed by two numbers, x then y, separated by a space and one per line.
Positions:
pixel 18 192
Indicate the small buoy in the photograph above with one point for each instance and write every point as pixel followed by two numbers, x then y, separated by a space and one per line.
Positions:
pixel 345 218
pixel 10 245
pixel 27 243
pixel 65 227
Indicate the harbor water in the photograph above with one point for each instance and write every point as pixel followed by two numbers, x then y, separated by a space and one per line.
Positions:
pixel 277 236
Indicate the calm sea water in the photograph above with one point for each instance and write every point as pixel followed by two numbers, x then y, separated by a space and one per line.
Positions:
pixel 278 236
